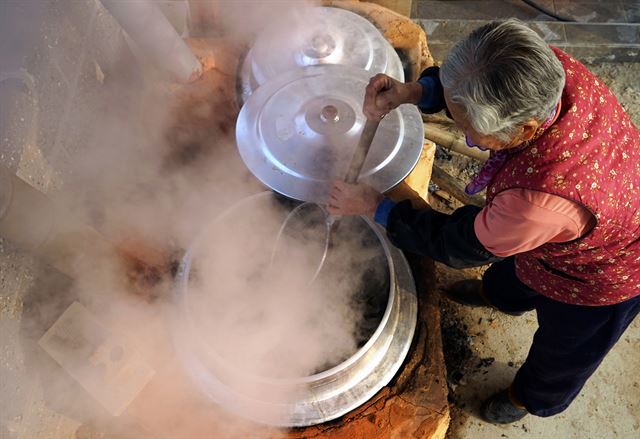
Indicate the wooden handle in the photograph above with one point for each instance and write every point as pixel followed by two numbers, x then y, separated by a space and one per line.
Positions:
pixel 360 154
pixel 357 162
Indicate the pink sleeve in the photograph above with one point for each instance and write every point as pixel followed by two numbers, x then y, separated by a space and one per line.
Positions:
pixel 519 220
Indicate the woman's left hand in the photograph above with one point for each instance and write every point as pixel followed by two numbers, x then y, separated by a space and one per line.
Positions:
pixel 353 199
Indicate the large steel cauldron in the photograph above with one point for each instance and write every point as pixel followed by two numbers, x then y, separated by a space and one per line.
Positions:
pixel 381 296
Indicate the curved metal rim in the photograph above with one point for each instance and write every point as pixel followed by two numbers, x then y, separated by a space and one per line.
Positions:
pixel 394 66
pixel 182 285
pixel 247 84
pixel 370 382
pixel 247 138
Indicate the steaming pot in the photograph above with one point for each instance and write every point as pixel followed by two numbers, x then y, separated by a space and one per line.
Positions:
pixel 385 306
pixel 318 35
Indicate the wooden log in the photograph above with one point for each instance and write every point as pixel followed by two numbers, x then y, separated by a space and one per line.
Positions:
pixel 440 135
pixel 441 119
pixel 416 186
pixel 445 196
pixel 451 185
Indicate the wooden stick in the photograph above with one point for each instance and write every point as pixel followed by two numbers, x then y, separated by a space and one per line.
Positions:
pixel 438 118
pixel 360 154
pixel 437 134
pixel 453 187
pixel 357 162
pixel 443 195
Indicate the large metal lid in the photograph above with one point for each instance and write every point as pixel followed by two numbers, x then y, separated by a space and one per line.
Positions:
pixel 297 133
pixel 322 35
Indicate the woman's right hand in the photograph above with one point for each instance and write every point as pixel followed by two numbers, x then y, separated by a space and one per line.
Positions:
pixel 383 94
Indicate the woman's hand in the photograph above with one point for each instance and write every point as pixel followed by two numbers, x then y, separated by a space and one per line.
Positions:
pixel 353 199
pixel 384 93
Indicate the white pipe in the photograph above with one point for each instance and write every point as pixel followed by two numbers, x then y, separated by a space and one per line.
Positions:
pixel 147 26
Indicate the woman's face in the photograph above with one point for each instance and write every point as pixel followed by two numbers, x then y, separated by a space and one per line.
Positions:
pixel 484 141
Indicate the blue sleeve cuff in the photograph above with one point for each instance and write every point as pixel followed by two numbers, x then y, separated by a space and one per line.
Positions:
pixel 382 211
pixel 432 98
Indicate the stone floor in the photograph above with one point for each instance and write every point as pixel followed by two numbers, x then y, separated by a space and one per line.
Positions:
pixel 607 407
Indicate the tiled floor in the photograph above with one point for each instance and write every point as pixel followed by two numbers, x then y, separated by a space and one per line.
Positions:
pixel 615 11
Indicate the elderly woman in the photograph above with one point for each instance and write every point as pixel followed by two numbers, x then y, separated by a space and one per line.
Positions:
pixel 561 226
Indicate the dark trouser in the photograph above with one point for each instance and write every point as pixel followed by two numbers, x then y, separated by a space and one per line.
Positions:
pixel 568 346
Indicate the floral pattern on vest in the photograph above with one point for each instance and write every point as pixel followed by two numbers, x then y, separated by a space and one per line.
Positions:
pixel 590 155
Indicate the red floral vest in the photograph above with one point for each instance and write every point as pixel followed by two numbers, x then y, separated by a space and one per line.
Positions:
pixel 590 155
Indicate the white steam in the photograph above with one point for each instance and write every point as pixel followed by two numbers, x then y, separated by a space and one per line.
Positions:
pixel 154 165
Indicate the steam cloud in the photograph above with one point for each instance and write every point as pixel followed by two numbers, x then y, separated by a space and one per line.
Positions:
pixel 146 165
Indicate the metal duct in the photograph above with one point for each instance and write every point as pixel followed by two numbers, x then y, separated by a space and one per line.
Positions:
pixel 157 39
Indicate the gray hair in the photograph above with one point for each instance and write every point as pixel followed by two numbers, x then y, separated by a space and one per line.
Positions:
pixel 503 74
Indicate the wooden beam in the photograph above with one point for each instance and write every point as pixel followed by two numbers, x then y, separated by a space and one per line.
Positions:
pixel 441 135
pixel 451 185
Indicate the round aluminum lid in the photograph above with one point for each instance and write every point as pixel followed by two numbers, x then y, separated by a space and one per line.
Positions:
pixel 297 133
pixel 322 35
